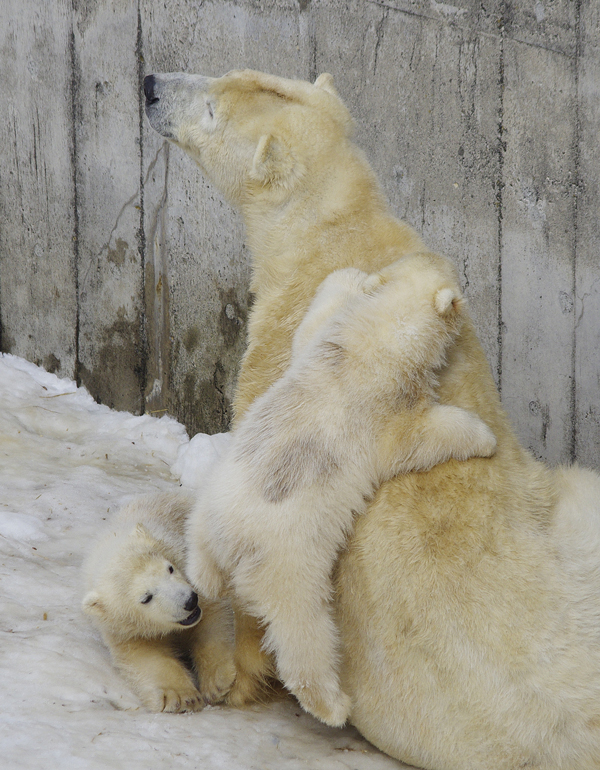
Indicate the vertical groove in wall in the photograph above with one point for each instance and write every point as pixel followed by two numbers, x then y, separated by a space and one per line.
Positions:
pixel 499 201
pixel 312 42
pixel 1 324
pixel 141 230
pixel 576 191
pixel 75 78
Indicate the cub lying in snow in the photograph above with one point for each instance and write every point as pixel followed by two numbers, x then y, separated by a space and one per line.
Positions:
pixel 149 614
pixel 355 407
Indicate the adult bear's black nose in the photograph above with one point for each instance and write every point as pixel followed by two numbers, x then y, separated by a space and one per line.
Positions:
pixel 191 603
pixel 149 89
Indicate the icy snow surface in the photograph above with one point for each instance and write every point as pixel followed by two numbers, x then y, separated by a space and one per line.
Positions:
pixel 66 464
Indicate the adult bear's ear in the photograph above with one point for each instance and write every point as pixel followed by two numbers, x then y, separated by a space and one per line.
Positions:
pixel 325 81
pixel 447 300
pixel 93 604
pixel 273 162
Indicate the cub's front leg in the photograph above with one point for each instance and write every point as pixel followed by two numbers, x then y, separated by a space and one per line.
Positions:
pixel 157 677
pixel 417 442
pixel 449 431
pixel 212 650
pixel 256 677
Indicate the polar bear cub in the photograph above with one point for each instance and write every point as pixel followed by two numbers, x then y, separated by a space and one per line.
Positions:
pixel 148 613
pixel 355 407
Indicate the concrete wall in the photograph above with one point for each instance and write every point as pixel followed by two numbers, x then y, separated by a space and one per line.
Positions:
pixel 121 266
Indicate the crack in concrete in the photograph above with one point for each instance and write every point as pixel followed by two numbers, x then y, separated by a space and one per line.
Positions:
pixel 75 85
pixel 94 259
pixel 454 25
pixel 582 299
pixel 379 33
pixel 141 234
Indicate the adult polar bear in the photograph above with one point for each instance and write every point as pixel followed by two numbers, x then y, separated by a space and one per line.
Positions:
pixel 469 596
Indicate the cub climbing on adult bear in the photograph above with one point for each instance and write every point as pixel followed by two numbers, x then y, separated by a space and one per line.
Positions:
pixel 355 407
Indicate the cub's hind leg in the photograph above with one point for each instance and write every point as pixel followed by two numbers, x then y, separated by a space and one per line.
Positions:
pixel 291 596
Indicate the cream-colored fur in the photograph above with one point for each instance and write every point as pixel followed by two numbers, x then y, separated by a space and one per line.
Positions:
pixel 148 613
pixel 355 407
pixel 470 625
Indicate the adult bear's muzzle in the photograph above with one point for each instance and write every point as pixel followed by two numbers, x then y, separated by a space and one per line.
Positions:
pixel 149 89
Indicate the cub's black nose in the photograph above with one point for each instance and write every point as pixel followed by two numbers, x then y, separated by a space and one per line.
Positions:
pixel 191 603
pixel 149 86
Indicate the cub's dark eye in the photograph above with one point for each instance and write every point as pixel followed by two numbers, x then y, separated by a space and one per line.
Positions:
pixel 147 599
pixel 171 570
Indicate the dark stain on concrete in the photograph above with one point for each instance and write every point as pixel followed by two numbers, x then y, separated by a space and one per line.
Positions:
pixel 198 392
pixel 116 377
pixel 51 363
pixel 202 405
pixel 118 255
pixel 7 343
pixel 191 339
pixel 543 412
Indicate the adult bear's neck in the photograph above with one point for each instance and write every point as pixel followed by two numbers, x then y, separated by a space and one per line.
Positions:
pixel 342 221
pixel 338 205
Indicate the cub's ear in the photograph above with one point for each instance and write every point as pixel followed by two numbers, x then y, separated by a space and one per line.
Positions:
pixel 325 81
pixel 372 282
pixel 273 162
pixel 447 300
pixel 93 604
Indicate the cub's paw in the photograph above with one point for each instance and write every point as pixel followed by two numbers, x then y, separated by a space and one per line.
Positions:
pixel 258 688
pixel 171 701
pixel 205 574
pixel 216 680
pixel 244 690
pixel 485 441
pixel 333 709
pixel 255 680
pixel 467 435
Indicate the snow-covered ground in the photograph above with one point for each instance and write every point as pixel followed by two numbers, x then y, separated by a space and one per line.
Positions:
pixel 66 463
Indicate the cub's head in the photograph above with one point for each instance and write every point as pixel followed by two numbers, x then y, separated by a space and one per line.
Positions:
pixel 139 592
pixel 399 324
pixel 253 134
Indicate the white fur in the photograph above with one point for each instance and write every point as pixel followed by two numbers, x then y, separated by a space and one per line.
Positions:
pixel 147 612
pixel 354 408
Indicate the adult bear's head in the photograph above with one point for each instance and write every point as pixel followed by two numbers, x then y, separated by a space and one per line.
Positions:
pixel 252 134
